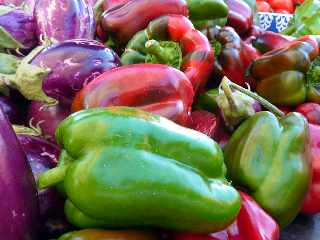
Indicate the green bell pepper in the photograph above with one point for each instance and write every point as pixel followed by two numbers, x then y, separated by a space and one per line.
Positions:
pixel 96 234
pixel 207 9
pixel 269 157
pixel 123 167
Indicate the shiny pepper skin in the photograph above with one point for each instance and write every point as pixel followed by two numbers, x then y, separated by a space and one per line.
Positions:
pixel 164 90
pixel 136 169
pixel 270 158
pixel 198 55
pixel 125 20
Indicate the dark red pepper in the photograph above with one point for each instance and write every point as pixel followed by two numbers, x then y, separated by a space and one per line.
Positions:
pixel 123 21
pixel 268 41
pixel 311 111
pixel 252 223
pixel 210 124
pixel 240 16
pixel 235 55
pixel 155 88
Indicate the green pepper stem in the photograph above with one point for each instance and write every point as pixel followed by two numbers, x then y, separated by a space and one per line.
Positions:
pixel 153 47
pixel 52 177
pixel 229 95
pixel 272 108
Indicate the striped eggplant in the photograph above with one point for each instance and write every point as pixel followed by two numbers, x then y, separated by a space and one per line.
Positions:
pixel 17 29
pixel 59 71
pixel 60 20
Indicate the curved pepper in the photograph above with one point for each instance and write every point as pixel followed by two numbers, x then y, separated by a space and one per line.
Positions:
pixel 311 111
pixel 235 55
pixel 252 223
pixel 270 158
pixel 95 234
pixel 207 9
pixel 198 56
pixel 240 16
pixel 268 41
pixel 164 90
pixel 123 21
pixel 286 76
pixel 136 169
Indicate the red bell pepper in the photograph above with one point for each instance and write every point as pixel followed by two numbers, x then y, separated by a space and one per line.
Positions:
pixel 210 124
pixel 123 21
pixel 240 16
pixel 268 41
pixel 235 56
pixel 312 112
pixel 155 88
pixel 252 223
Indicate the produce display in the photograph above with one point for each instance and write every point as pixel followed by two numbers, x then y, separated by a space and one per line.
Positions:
pixel 158 119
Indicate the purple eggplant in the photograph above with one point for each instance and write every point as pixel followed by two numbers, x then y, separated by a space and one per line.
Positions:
pixel 42 155
pixel 10 110
pixel 17 29
pixel 58 72
pixel 19 209
pixel 47 117
pixel 28 5
pixel 60 20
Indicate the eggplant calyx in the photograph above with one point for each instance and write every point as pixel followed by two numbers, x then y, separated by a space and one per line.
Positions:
pixel 8 41
pixel 29 78
pixel 18 129
pixel 28 81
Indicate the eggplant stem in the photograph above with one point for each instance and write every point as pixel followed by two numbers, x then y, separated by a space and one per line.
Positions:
pixel 272 108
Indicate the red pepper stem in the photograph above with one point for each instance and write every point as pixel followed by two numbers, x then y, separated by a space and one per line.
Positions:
pixel 153 47
pixel 272 108
pixel 229 95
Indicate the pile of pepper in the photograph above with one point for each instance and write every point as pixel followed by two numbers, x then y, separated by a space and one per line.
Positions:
pixel 156 119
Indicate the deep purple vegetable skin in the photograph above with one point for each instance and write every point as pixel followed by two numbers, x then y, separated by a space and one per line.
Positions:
pixel 10 110
pixel 21 26
pixel 42 155
pixel 18 194
pixel 47 117
pixel 61 20
pixel 73 64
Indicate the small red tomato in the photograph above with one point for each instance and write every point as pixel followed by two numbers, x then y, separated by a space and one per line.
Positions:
pixel 282 4
pixel 263 6
pixel 298 2
pixel 281 11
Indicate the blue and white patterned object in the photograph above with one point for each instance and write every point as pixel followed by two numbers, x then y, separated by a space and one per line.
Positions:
pixel 275 22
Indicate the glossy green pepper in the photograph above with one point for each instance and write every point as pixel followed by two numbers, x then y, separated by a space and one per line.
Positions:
pixel 269 157
pixel 95 234
pixel 123 167
pixel 289 75
pixel 207 9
